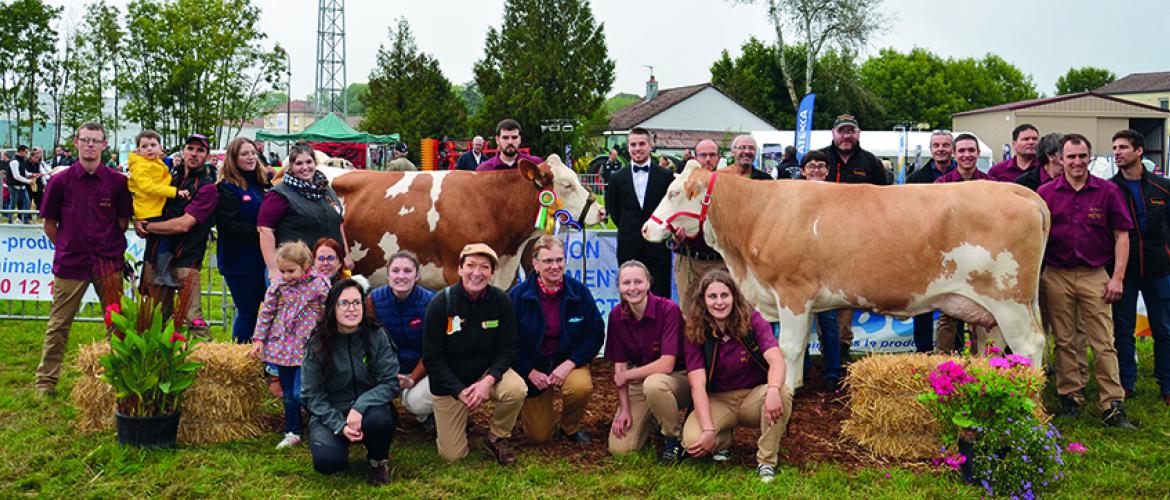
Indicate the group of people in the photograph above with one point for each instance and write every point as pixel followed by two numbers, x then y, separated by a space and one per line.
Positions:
pixel 24 173
pixel 1107 244
pixel 345 353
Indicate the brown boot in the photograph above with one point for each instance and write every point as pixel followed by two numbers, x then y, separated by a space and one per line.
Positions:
pixel 499 450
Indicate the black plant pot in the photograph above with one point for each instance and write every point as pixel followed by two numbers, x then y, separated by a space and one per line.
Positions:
pixel 967 468
pixel 148 432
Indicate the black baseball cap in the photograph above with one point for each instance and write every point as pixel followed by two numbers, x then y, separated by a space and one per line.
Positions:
pixel 401 147
pixel 843 120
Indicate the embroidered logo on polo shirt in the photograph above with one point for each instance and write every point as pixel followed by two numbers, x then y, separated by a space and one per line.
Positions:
pixel 1096 213
pixel 454 324
pixel 1157 201
pixel 578 319
pixel 491 323
pixel 858 172
pixel 416 322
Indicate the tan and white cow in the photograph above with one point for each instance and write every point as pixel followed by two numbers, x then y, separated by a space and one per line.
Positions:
pixel 971 249
pixel 435 213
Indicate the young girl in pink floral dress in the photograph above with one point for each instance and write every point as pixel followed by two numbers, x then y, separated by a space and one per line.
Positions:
pixel 291 309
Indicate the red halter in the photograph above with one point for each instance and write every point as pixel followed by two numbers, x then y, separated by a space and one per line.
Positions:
pixel 701 216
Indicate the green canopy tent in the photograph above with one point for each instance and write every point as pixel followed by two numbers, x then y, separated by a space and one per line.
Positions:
pixel 329 129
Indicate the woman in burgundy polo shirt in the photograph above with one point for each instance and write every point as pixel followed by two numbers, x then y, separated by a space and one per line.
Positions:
pixel 736 372
pixel 644 341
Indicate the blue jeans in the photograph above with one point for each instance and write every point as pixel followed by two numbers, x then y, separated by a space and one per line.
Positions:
pixel 290 385
pixel 924 332
pixel 18 200
pixel 247 293
pixel 830 338
pixel 1154 291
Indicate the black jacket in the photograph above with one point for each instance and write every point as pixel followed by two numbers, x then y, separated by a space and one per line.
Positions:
pixel 927 174
pixel 1031 178
pixel 484 341
pixel 350 384
pixel 1148 252
pixel 621 203
pixel 862 168
pixel 467 161
pixel 189 247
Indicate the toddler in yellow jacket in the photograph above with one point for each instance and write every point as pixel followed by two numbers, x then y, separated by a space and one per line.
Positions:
pixel 150 182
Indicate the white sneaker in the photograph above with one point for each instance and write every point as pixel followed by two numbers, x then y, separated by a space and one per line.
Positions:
pixel 721 455
pixel 290 439
pixel 767 472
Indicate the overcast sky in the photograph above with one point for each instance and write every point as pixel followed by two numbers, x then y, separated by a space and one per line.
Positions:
pixel 682 38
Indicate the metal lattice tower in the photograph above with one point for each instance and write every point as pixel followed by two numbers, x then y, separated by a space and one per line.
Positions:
pixel 330 93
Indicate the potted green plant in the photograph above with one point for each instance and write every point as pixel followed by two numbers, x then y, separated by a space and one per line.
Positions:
pixel 148 368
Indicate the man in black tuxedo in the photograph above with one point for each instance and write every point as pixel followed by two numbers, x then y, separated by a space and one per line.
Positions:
pixel 630 197
pixel 472 159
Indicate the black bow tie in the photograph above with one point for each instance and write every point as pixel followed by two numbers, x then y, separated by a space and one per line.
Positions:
pixel 642 168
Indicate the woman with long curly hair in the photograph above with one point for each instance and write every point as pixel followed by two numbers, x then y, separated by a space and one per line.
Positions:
pixel 736 372
pixel 348 380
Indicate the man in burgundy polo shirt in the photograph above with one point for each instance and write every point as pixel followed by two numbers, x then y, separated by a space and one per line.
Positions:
pixel 188 222
pixel 86 210
pixel 966 147
pixel 1090 229
pixel 1024 140
pixel 508 152
pixel 693 256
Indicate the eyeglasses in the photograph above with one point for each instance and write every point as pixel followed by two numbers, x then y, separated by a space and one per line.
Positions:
pixel 89 141
pixel 549 262
pixel 816 165
pixel 707 155
pixel 349 304
pixel 326 258
pixel 846 131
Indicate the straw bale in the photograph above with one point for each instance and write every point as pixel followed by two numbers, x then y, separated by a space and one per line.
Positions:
pixel 885 416
pixel 225 403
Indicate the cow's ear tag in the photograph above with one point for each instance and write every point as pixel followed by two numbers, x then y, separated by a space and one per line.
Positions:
pixel 529 170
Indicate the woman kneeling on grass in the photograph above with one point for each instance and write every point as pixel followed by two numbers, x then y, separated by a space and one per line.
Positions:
pixel 645 344
pixel 350 377
pixel 736 372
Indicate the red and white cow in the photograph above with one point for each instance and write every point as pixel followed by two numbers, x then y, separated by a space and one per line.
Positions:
pixel 971 249
pixel 435 213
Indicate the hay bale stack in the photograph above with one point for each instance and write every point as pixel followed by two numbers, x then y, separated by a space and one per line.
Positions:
pixel 224 403
pixel 886 417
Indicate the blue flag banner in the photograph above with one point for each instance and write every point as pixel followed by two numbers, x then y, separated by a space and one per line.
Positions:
pixel 804 120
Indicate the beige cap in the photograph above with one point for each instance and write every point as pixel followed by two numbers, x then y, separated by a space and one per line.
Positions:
pixel 480 249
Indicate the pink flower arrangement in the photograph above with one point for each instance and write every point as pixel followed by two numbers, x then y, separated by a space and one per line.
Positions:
pixel 954 461
pixel 947 376
pixel 1077 448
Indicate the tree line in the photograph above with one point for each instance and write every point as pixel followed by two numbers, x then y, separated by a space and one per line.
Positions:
pixel 175 66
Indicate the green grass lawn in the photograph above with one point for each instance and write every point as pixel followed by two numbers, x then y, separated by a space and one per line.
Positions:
pixel 42 455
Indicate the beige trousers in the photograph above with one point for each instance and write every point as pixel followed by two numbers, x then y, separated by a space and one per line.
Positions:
pixel 1069 292
pixel 451 416
pixel 660 396
pixel 539 417
pixel 67 295
pixel 743 407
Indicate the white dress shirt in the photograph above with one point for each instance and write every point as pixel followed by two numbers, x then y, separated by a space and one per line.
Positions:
pixel 641 180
